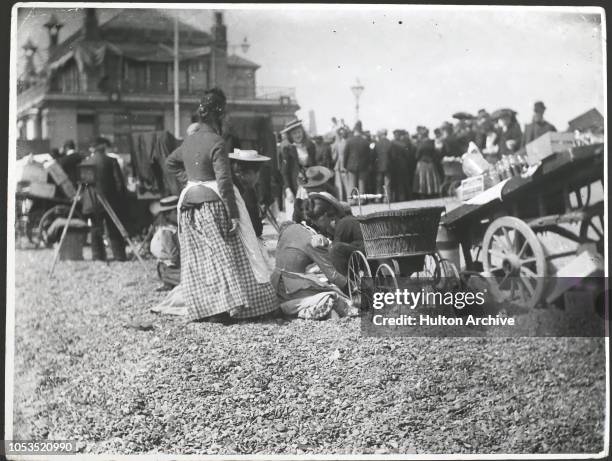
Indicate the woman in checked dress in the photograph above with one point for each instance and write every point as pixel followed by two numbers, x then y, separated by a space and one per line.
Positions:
pixel 222 270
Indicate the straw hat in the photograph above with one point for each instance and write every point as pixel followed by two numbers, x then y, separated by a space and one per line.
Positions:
pixel 247 156
pixel 164 204
pixel 317 176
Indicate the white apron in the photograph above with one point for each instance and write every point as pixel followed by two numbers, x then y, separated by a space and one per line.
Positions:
pixel 260 264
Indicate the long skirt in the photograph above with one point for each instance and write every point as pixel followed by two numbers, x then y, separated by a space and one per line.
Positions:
pixel 215 273
pixel 426 179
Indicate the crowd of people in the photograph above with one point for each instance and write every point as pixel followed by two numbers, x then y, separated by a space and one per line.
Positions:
pixel 208 241
pixel 406 166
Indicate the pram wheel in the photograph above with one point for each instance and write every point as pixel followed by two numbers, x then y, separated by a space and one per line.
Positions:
pixel 358 268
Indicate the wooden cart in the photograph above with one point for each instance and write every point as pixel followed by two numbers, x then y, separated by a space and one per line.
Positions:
pixel 34 215
pixel 503 235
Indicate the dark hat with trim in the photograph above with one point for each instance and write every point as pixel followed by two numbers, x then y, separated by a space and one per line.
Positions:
pixel 316 176
pixel 297 123
pixel 101 141
pixel 539 107
pixel 343 208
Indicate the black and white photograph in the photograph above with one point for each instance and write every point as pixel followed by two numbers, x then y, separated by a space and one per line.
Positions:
pixel 306 231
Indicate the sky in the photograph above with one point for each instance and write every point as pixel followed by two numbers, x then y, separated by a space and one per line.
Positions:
pixel 418 65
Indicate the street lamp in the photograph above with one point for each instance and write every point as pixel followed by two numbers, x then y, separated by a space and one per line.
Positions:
pixel 244 46
pixel 53 26
pixel 357 89
pixel 29 48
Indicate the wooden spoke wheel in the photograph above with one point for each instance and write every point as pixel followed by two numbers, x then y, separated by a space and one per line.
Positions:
pixel 385 279
pixel 58 211
pixel 358 268
pixel 515 256
pixel 430 274
pixel 592 229
pixel 449 276
pixel 582 196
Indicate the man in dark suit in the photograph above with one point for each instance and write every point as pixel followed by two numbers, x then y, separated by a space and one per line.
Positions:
pixel 356 159
pixel 70 160
pixel 539 126
pixel 110 184
pixel 384 164
pixel 404 163
pixel 323 151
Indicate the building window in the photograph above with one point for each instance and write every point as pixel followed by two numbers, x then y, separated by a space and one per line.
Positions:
pixel 69 79
pixel 182 77
pixel 158 77
pixel 198 76
pixel 86 131
pixel 136 76
pixel 146 122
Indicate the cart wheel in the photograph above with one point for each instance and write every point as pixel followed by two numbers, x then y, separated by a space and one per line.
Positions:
pixel 58 211
pixel 31 227
pixel 582 196
pixel 385 278
pixel 449 276
pixel 430 274
pixel 513 254
pixel 358 267
pixel 592 229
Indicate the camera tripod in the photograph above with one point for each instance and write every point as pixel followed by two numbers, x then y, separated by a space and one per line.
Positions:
pixel 111 213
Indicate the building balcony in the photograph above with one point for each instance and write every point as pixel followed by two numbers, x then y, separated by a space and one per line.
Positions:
pixel 269 96
pixel 266 93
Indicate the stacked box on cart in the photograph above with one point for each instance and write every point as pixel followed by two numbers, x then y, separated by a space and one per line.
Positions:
pixel 60 178
pixel 40 189
pixel 548 144
pixel 471 187
pixel 32 172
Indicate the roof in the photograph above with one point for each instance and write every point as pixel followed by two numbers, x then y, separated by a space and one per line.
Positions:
pixel 237 61
pixel 129 20
pixel 147 19
pixel 590 119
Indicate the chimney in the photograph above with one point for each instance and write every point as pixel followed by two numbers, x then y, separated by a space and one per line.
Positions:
pixel 53 28
pixel 219 32
pixel 90 25
pixel 219 52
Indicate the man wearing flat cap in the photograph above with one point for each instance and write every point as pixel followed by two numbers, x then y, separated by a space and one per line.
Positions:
pixel 110 184
pixel 539 126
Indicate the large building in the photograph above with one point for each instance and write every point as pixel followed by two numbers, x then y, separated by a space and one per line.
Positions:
pixel 117 77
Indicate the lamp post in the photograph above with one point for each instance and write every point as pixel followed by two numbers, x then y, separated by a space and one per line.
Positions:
pixel 244 46
pixel 177 111
pixel 357 89
pixel 53 26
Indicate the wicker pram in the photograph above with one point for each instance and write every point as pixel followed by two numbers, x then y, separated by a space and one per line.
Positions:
pixel 397 243
pixel 399 233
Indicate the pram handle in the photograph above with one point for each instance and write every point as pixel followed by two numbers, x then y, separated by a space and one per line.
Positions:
pixel 355 195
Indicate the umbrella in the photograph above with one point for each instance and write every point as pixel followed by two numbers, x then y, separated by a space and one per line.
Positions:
pixel 463 116
pixel 502 112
